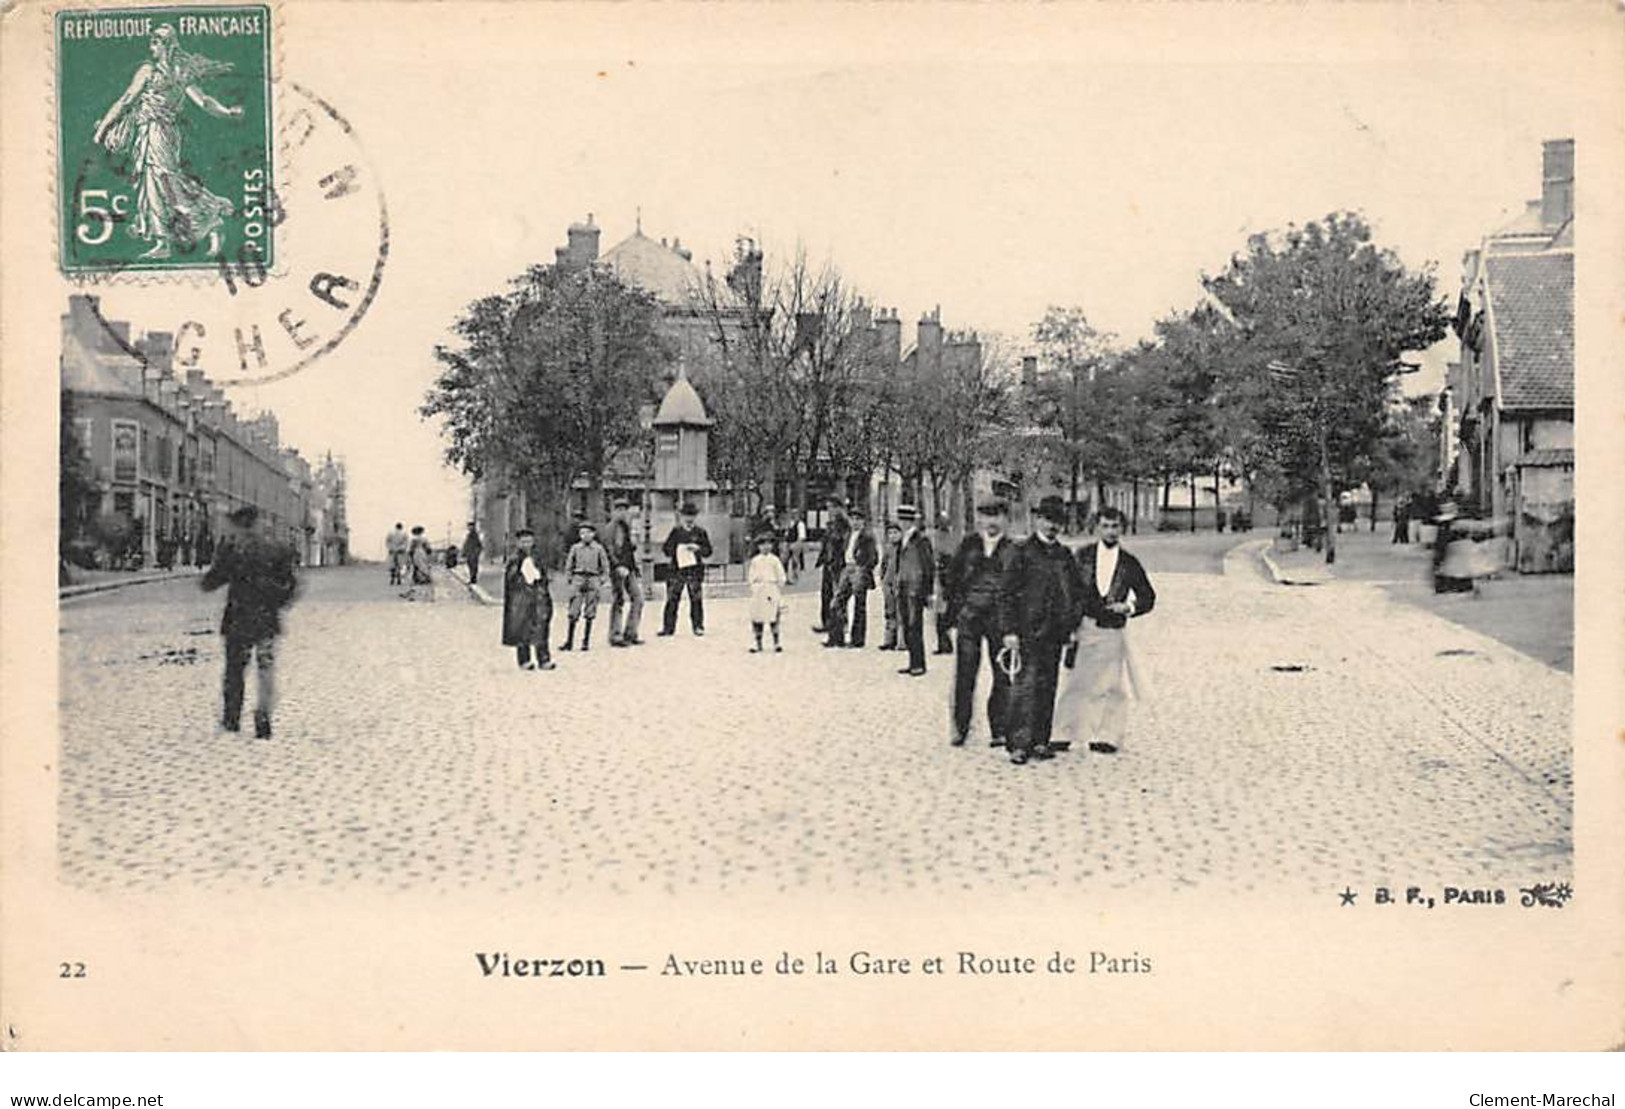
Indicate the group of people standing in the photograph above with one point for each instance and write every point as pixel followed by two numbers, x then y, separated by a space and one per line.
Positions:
pixel 527 604
pixel 1030 607
pixel 411 561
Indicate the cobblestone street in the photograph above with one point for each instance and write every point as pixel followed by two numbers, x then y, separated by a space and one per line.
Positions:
pixel 1395 747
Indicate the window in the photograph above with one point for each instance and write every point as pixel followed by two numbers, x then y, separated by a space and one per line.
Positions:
pixel 125 438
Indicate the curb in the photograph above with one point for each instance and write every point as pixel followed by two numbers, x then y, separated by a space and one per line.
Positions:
pixel 475 589
pixel 1290 577
pixel 69 592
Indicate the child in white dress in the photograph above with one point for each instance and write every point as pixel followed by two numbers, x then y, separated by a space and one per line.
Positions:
pixel 767 579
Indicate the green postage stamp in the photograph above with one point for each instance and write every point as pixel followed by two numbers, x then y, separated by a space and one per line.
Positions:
pixel 164 138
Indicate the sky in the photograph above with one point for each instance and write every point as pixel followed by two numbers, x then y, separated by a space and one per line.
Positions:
pixel 936 158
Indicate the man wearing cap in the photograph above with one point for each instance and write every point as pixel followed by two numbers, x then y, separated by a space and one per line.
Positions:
pixel 973 589
pixel 587 565
pixel 687 546
pixel 527 606
pixel 626 581
pixel 916 581
pixel 395 547
pixel 258 574
pixel 831 559
pixel 1043 605
pixel 857 578
pixel 472 549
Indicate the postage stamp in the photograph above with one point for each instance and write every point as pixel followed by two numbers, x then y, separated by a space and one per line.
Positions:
pixel 164 138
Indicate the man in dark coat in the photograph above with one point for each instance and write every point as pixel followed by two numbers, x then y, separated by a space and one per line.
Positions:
pixel 626 579
pixel 942 542
pixel 831 560
pixel 1115 588
pixel 1043 604
pixel 857 577
pixel 973 588
pixel 259 578
pixel 527 606
pixel 916 581
pixel 687 547
pixel 472 549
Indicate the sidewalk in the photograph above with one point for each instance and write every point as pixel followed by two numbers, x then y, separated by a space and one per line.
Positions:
pixel 100 581
pixel 1531 613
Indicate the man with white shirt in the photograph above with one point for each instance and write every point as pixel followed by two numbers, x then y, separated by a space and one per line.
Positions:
pixel 858 560
pixel 1115 589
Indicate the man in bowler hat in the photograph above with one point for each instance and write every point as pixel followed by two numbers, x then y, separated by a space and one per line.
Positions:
pixel 973 589
pixel 259 578
pixel 916 581
pixel 687 546
pixel 1043 605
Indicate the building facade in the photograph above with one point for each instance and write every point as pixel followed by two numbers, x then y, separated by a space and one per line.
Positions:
pixel 170 458
pixel 1512 393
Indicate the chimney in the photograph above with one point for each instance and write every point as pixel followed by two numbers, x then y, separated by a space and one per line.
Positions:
pixel 1557 183
pixel 1029 371
pixel 681 251
pixel 159 349
pixel 928 340
pixel 890 341
pixel 583 248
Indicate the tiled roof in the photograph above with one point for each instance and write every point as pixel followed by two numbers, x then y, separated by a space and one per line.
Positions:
pixel 1532 305
pixel 655 268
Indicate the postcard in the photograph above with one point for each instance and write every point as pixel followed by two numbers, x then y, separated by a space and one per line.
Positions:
pixel 739 526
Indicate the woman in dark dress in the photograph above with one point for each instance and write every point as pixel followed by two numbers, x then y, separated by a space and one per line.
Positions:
pixel 527 606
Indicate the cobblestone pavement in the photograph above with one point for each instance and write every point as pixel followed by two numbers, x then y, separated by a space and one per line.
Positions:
pixel 411 752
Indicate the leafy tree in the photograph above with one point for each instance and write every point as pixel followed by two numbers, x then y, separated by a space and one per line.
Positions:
pixel 1067 399
pixel 1332 312
pixel 548 379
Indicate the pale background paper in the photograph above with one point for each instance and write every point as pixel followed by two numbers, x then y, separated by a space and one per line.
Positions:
pixel 493 126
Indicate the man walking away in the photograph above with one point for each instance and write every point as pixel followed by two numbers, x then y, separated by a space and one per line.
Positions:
pixel 892 549
pixel 831 560
pixel 527 606
pixel 395 544
pixel 1043 603
pixel 626 579
pixel 942 543
pixel 259 578
pixel 687 546
pixel 472 549
pixel 974 604
pixel 586 567
pixel 857 578
pixel 916 579
pixel 1115 589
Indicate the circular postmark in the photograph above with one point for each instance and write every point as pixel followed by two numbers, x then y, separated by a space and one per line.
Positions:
pixel 249 320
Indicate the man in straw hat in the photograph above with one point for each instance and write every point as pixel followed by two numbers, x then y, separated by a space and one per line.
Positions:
pixel 916 581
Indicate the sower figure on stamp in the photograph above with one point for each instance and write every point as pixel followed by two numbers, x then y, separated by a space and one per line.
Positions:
pixel 472 549
pixel 857 578
pixel 916 580
pixel 145 122
pixel 974 604
pixel 259 578
pixel 586 567
pixel 626 579
pixel 831 559
pixel 527 606
pixel 1043 603
pixel 687 546
pixel 1115 588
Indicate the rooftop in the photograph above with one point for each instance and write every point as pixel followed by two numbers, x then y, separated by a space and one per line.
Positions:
pixel 1532 305
pixel 682 406
pixel 665 271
